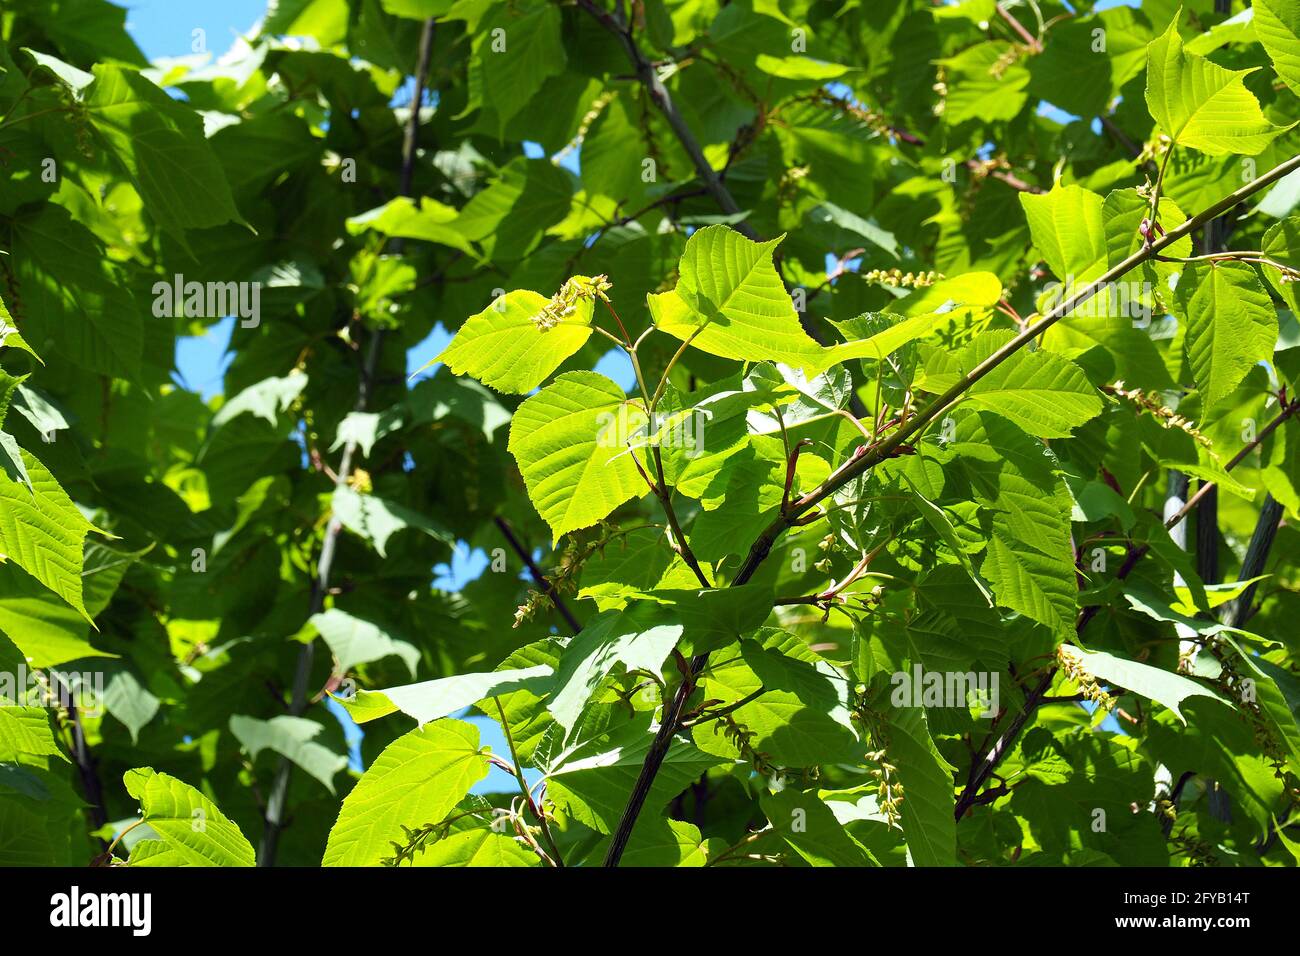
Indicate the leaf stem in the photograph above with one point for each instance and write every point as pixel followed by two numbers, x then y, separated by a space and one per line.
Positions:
pixel 556 859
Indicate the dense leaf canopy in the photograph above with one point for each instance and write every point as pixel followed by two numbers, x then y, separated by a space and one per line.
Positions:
pixel 871 421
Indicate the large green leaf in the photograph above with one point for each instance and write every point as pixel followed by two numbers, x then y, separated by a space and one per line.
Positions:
pixel 268 400
pixel 519 47
pixel 480 846
pixel 1202 105
pixel 43 532
pixel 640 638
pixel 1030 562
pixel 378 519
pixel 47 629
pixel 25 731
pixel 1160 685
pixel 160 143
pixel 292 737
pixel 807 826
pixel 730 301
pixel 592 780
pixel 659 842
pixel 1282 244
pixel 570 440
pixel 433 699
pixel 10 338
pixel 416 780
pixel 1045 394
pixel 946 304
pixel 353 640
pixel 928 800
pixel 73 296
pixel 190 830
pixel 1277 24
pixel 402 218
pixel 1066 225
pixel 510 348
pixel 1231 325
pixel 800 718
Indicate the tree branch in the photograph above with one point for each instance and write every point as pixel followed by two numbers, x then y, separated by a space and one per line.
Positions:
pixel 867 457
pixel 87 766
pixel 645 73
pixel 1016 25
pixel 713 185
pixel 275 805
pixel 1250 568
pixel 540 579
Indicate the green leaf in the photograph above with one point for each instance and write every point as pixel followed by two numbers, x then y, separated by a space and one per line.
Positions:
pixel 430 221
pixel 324 20
pixel 592 780
pixel 1067 228
pixel 77 80
pixel 1201 104
pixel 928 311
pixel 519 46
pixel 937 519
pixel 9 335
pixel 800 68
pixel 1081 75
pixel 11 461
pixel 801 718
pixel 1029 563
pixel 841 218
pixel 508 217
pixel 43 532
pixel 978 89
pixel 1277 24
pixel 44 416
pixel 191 830
pixel 46 628
pixel 354 641
pixel 291 737
pixel 927 780
pixel 481 846
pixel 1043 393
pixel 26 732
pixel 507 346
pixel 1160 685
pixel 730 301
pixel 267 400
pixel 1231 325
pixel 714 618
pixel 637 639
pixel 377 519
pixel 417 779
pixel 73 296
pixel 417 9
pixel 570 442
pixel 160 143
pixel 434 699
pixel 659 842
pixel 129 701
pixel 808 827
pixel 1282 244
